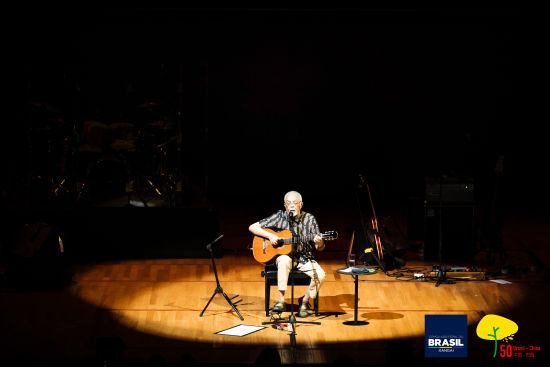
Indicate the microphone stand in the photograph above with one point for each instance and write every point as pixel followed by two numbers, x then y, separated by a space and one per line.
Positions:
pixel 441 273
pixel 219 288
pixel 442 277
pixel 440 250
pixel 292 319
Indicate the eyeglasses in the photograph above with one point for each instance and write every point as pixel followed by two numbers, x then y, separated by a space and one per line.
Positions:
pixel 289 203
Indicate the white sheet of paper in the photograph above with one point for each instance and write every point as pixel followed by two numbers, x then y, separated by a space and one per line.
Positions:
pixel 241 330
pixel 501 281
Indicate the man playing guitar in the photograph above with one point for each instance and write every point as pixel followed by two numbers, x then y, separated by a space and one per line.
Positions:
pixel 300 224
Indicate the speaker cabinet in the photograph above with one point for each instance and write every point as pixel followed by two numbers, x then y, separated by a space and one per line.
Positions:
pixel 449 232
pixel 37 259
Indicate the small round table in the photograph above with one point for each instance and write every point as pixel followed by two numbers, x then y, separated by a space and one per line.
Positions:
pixel 355 272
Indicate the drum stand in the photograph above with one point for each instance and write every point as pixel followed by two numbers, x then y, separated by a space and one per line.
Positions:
pixel 167 179
pixel 138 181
pixel 164 187
pixel 67 183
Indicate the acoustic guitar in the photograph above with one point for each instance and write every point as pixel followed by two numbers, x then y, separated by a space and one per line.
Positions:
pixel 264 251
pixel 374 221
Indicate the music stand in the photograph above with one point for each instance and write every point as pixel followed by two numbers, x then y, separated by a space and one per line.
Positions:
pixel 219 289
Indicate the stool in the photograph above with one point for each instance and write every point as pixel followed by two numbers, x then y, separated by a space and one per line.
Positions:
pixel 300 278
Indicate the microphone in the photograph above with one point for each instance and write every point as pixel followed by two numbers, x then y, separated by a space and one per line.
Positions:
pixel 209 246
pixel 290 215
pixel 217 239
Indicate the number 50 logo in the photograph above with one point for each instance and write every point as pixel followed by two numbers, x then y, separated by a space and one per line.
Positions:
pixel 505 350
pixel 494 327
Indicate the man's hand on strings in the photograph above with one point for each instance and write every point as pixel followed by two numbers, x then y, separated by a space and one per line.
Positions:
pixel 273 238
pixel 319 243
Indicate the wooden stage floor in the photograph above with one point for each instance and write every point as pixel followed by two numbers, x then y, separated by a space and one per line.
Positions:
pixel 153 307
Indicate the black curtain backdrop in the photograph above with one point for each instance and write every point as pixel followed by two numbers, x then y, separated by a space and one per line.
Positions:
pixel 273 99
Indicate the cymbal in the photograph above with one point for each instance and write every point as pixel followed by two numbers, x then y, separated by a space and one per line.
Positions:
pixel 148 104
pixel 156 123
pixel 173 138
pixel 57 120
pixel 46 106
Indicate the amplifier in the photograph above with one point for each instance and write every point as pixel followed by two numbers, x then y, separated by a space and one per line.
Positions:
pixel 449 191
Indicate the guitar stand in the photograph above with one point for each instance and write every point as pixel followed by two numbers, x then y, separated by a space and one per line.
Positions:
pixel 376 256
pixel 291 319
pixel 219 289
pixel 376 233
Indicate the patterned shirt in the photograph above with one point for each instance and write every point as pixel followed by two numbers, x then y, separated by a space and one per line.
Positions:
pixel 302 225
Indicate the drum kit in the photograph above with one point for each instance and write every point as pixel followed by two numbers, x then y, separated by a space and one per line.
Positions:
pixel 118 163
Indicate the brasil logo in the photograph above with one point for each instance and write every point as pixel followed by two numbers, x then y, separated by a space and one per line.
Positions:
pixel 494 327
pixel 446 336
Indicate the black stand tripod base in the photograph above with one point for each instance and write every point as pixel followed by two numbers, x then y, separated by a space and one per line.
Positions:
pixel 219 289
pixel 442 278
pixel 289 321
pixel 355 323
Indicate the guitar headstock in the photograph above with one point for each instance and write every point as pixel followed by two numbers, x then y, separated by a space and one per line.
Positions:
pixel 329 235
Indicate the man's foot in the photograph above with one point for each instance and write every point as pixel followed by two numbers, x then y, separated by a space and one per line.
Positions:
pixel 301 300
pixel 304 310
pixel 279 307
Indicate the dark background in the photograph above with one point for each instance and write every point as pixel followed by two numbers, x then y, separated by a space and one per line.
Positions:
pixel 277 99
pixel 270 100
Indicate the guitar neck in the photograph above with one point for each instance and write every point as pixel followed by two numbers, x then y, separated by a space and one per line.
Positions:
pixel 293 240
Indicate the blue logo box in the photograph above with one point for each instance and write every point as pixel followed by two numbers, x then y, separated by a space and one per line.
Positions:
pixel 446 336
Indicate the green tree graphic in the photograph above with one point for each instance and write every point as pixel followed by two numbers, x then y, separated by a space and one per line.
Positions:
pixel 493 323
